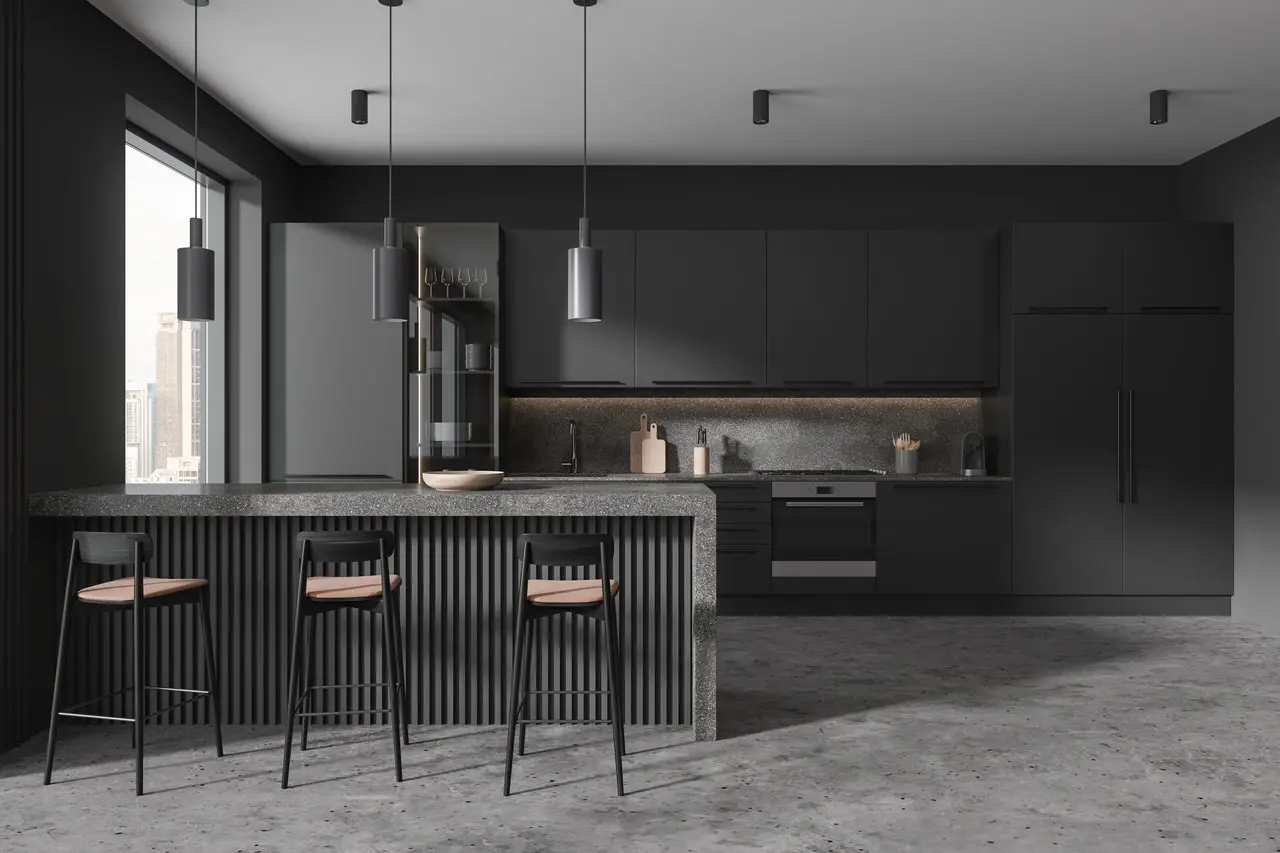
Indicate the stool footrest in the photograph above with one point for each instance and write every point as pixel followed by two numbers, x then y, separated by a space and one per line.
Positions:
pixel 531 721
pixel 343 713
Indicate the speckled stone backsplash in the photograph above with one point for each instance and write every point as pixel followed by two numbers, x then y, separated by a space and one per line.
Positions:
pixel 744 434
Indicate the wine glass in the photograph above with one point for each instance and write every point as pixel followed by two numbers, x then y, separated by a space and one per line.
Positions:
pixel 431 279
pixel 482 278
pixel 464 278
pixel 446 278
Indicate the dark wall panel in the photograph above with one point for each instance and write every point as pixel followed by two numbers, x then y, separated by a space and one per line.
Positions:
pixel 459 594
pixel 1240 182
pixel 743 197
pixel 79 70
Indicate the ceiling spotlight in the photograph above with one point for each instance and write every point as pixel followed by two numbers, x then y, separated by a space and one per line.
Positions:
pixel 1160 106
pixel 359 106
pixel 760 106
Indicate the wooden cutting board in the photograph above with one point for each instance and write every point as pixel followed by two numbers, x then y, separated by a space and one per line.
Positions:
pixel 654 453
pixel 637 443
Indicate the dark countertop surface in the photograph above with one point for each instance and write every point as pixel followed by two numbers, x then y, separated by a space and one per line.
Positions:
pixel 548 497
pixel 751 476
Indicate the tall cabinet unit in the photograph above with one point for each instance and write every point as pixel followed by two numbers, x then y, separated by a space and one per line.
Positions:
pixel 1123 420
pixel 454 333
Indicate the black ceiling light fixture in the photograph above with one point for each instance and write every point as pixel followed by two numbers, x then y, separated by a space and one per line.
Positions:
pixel 195 262
pixel 585 263
pixel 1160 106
pixel 359 106
pixel 760 106
pixel 390 261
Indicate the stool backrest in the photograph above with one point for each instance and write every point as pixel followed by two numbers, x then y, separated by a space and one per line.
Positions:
pixel 570 550
pixel 111 549
pixel 346 546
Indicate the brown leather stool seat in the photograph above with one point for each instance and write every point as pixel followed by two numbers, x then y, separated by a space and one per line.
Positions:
pixel 563 593
pixel 120 590
pixel 343 589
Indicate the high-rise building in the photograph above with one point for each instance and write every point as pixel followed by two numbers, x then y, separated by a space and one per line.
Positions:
pixel 139 459
pixel 179 394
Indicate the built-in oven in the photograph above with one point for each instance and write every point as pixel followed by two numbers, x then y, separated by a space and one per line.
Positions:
pixel 824 537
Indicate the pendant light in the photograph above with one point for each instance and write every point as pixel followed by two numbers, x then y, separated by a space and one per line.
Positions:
pixel 585 279
pixel 195 262
pixel 1159 106
pixel 390 261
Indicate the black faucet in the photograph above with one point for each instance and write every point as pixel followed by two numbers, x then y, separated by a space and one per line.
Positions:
pixel 571 464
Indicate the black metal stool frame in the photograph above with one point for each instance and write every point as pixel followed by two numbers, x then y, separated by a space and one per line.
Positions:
pixel 568 551
pixel 122 549
pixel 357 546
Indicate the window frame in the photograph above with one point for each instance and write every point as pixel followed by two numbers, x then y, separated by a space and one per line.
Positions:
pixel 213 210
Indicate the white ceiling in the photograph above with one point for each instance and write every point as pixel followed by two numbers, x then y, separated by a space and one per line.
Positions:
pixel 857 81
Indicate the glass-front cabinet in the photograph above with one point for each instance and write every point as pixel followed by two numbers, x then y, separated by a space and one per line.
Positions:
pixel 453 330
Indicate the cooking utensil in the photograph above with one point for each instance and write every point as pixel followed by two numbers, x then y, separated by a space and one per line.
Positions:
pixel 637 445
pixel 462 481
pixel 653 453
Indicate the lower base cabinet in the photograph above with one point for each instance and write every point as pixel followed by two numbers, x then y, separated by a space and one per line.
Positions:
pixel 945 538
pixel 743 570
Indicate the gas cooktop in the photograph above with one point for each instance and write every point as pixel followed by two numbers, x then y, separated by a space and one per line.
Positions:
pixel 822 472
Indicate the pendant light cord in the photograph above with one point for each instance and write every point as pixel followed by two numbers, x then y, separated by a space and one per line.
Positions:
pixel 195 168
pixel 584 111
pixel 390 102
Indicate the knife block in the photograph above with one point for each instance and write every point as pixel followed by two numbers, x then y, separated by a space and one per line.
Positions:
pixel 701 461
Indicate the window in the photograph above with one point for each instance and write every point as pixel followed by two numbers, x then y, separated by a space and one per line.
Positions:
pixel 174 371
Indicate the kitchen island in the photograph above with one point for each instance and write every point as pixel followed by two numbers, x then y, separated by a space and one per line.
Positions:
pixel 457 554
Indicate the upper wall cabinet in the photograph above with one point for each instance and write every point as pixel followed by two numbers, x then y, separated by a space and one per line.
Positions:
pixel 817 309
pixel 700 308
pixel 1065 267
pixel 1178 267
pixel 933 309
pixel 543 348
pixel 1080 267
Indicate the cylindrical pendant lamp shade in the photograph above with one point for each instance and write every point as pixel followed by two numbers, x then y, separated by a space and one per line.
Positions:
pixel 195 278
pixel 1159 106
pixel 359 106
pixel 390 278
pixel 586 281
pixel 760 106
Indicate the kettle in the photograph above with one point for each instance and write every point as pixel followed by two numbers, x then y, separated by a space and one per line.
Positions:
pixel 973 455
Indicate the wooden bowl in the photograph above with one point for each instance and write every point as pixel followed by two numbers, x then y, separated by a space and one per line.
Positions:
pixel 462 481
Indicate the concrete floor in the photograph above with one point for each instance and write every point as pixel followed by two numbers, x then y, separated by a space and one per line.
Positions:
pixel 879 734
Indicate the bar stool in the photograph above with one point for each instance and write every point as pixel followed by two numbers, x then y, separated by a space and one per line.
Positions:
pixel 139 594
pixel 378 593
pixel 539 598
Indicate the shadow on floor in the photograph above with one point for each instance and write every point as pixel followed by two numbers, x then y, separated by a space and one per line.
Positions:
pixel 777 672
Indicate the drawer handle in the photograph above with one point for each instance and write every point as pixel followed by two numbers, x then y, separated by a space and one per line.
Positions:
pixel 573 382
pixel 816 504
pixel 1068 309
pixel 701 382
pixel 950 484
pixel 932 383
pixel 1180 309
pixel 729 549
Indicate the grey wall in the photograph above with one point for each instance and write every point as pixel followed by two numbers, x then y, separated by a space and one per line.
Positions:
pixel 742 197
pixel 743 434
pixel 1240 182
pixel 79 68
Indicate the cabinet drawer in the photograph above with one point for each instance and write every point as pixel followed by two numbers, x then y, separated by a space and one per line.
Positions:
pixel 742 569
pixel 735 513
pixel 737 493
pixel 743 534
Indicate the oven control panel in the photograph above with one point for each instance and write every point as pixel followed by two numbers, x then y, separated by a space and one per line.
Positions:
pixel 818 490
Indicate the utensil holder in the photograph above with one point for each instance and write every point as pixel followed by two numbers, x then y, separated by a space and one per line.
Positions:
pixel 701 461
pixel 904 461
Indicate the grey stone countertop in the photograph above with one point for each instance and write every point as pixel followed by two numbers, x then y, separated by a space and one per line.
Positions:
pixel 549 497
pixel 748 477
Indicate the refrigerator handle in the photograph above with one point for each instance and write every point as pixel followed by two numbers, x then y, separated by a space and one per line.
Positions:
pixel 1119 445
pixel 1133 486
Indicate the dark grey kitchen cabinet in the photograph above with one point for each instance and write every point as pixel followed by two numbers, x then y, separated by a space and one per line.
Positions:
pixel 336 376
pixel 933 309
pixel 1178 267
pixel 1123 455
pixel 743 569
pixel 1067 442
pixel 944 538
pixel 1067 267
pixel 1179 509
pixel 743 538
pixel 543 349
pixel 700 308
pixel 817 309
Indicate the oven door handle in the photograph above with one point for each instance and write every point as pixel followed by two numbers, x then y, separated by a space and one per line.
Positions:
pixel 825 503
